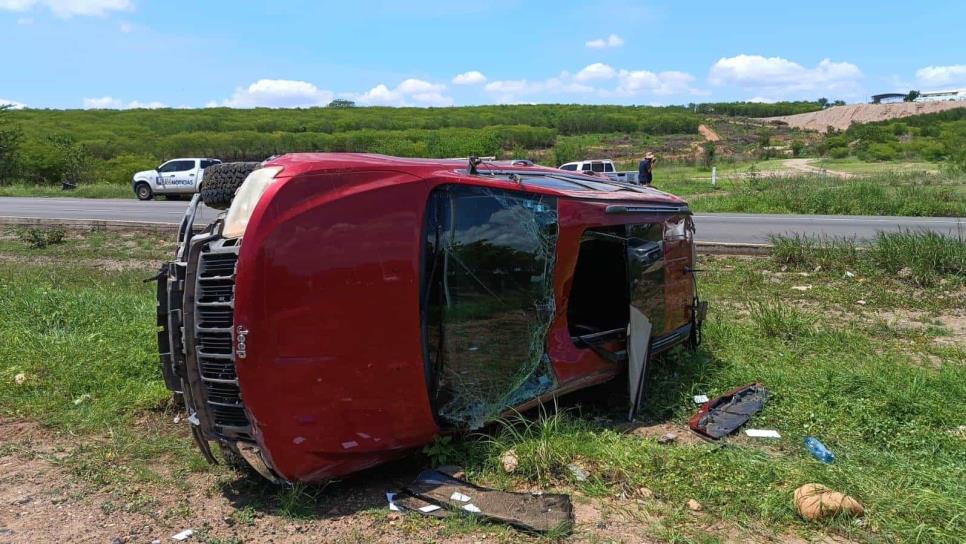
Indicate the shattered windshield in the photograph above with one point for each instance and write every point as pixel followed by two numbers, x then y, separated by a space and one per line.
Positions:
pixel 489 300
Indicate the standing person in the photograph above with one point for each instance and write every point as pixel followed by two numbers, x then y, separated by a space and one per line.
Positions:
pixel 645 170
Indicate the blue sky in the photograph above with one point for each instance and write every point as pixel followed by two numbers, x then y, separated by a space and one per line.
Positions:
pixel 181 53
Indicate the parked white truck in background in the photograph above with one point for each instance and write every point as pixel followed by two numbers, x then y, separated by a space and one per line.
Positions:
pixel 601 167
pixel 175 177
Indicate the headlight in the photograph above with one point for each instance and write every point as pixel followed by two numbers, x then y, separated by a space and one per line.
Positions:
pixel 246 198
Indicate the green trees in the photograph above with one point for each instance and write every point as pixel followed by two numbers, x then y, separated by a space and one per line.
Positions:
pixel 709 152
pixel 759 109
pixel 10 136
pixel 932 137
pixel 341 103
pixel 110 144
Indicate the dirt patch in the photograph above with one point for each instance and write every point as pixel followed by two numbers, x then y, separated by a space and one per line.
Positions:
pixel 110 265
pixel 36 487
pixel 682 434
pixel 952 324
pixel 840 117
pixel 708 133
pixel 804 166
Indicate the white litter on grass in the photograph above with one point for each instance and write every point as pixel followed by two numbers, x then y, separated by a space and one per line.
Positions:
pixel 471 508
pixel 81 399
pixel 457 496
pixel 762 433
pixel 183 535
pixel 849 274
pixel 20 379
pixel 429 508
pixel 700 399
pixel 392 506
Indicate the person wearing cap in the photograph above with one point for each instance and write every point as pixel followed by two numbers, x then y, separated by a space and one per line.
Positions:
pixel 645 170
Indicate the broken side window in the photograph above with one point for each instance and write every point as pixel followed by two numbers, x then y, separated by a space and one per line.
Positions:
pixel 489 301
pixel 645 262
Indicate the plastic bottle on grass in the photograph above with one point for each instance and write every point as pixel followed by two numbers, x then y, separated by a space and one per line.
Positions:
pixel 819 450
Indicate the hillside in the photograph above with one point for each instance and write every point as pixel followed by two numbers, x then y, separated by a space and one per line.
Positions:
pixel 109 145
pixel 841 117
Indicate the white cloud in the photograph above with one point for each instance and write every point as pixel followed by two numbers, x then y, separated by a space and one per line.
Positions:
pixel 761 100
pixel 411 92
pixel 593 79
pixel 512 90
pixel 942 75
pixel 69 8
pixel 610 41
pixel 111 103
pixel 596 71
pixel 782 77
pixel 126 28
pixel 636 82
pixel 473 77
pixel 16 105
pixel 278 93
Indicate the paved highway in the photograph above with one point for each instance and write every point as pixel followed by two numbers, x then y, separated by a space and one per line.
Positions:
pixel 712 227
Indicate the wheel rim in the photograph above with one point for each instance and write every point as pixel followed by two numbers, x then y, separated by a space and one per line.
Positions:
pixel 143 191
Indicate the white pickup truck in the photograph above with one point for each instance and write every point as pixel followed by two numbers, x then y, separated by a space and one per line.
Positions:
pixel 175 177
pixel 601 167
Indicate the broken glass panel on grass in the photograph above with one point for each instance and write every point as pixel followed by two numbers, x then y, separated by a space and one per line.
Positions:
pixel 489 300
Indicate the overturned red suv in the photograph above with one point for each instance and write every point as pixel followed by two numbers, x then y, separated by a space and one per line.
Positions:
pixel 349 308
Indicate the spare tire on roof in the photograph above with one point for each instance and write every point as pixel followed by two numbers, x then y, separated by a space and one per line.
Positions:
pixel 220 182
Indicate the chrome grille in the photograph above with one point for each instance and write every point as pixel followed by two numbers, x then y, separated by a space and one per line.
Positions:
pixel 214 310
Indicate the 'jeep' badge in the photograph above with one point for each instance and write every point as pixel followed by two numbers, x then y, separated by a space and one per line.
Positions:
pixel 241 334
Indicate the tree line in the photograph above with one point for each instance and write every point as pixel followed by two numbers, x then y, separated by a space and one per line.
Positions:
pixel 51 146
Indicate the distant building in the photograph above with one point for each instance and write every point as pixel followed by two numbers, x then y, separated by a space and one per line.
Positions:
pixel 888 98
pixel 942 96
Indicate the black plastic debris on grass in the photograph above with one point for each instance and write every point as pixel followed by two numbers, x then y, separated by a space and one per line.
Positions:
pixel 723 415
pixel 436 494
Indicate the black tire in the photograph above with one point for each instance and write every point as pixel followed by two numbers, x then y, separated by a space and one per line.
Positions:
pixel 220 182
pixel 143 191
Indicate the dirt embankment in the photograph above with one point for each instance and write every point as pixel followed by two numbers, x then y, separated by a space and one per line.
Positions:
pixel 840 117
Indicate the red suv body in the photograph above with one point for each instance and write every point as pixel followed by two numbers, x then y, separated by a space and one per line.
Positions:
pixel 375 302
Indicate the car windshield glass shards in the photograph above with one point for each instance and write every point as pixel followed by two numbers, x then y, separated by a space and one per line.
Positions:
pixel 488 300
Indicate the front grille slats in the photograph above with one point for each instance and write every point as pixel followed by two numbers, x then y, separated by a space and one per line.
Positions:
pixel 214 320
pixel 218 265
pixel 218 316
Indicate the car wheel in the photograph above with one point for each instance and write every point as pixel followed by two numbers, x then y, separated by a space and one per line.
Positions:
pixel 220 182
pixel 143 191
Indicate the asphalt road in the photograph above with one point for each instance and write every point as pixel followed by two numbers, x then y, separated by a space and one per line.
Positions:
pixel 711 227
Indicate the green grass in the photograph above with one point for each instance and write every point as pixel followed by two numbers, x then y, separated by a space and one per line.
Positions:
pixel 857 385
pixel 900 194
pixel 922 257
pixel 886 399
pixel 143 249
pixel 87 190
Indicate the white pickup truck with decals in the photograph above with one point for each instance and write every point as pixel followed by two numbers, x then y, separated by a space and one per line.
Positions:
pixel 175 177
